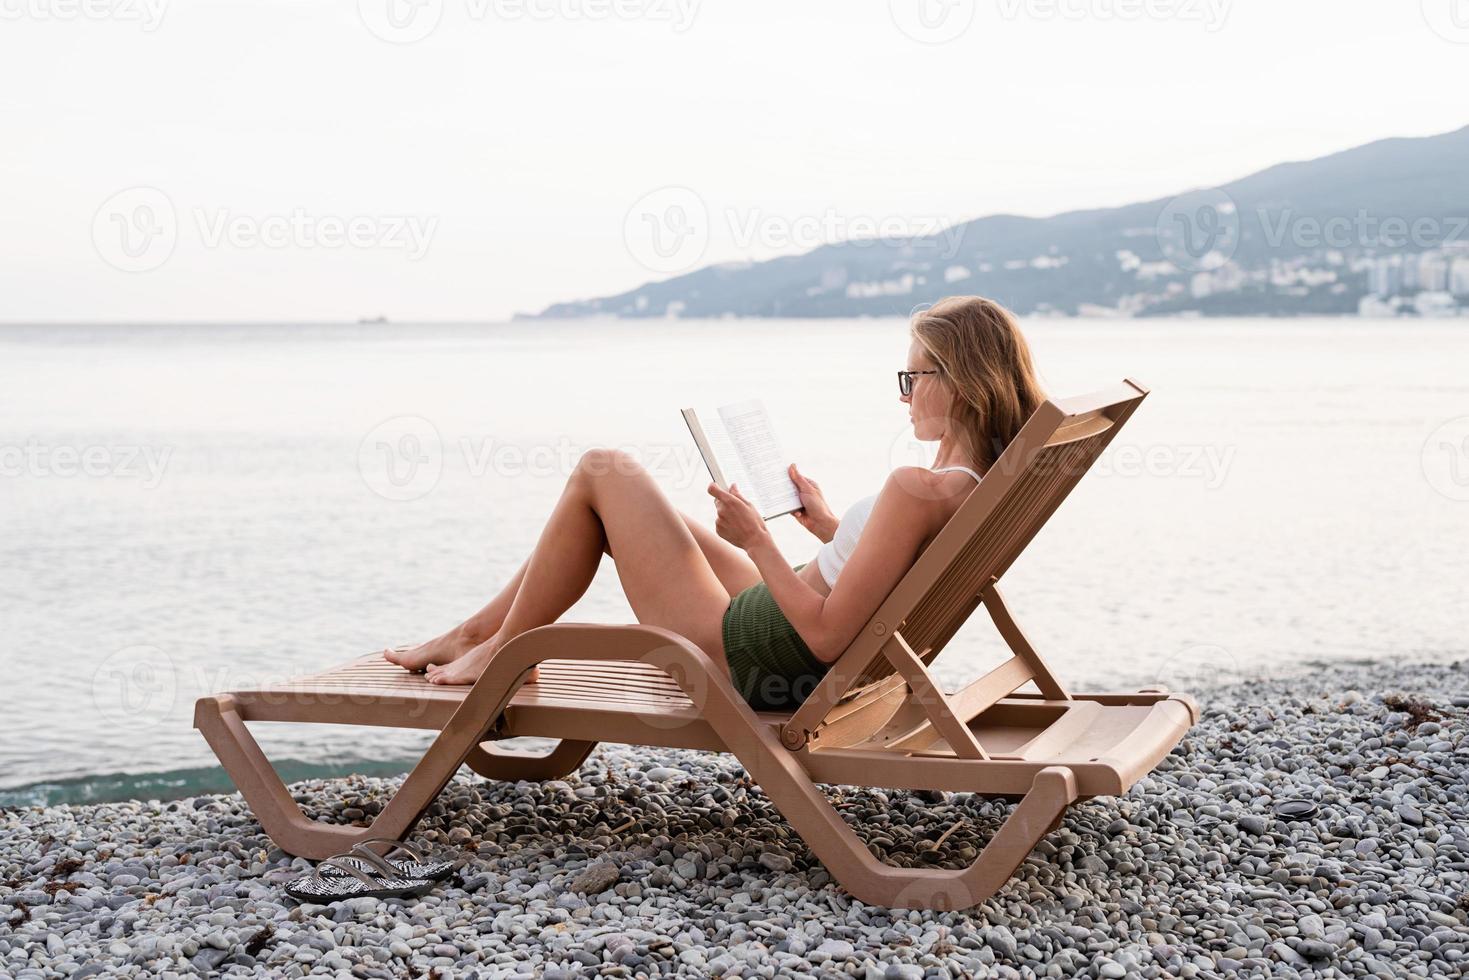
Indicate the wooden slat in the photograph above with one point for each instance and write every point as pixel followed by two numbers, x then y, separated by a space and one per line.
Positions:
pixel 989 689
pixel 604 685
pixel 932 699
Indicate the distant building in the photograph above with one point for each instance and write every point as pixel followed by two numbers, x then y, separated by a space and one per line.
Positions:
pixel 1385 276
pixel 1433 272
pixel 1376 307
pixel 1435 304
pixel 1459 276
pixel 1409 270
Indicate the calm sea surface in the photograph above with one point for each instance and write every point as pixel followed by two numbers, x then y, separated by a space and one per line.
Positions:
pixel 186 509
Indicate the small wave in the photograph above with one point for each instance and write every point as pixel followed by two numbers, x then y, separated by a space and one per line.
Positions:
pixel 178 783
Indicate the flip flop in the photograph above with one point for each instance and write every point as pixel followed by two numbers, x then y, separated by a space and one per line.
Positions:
pixel 417 866
pixel 336 879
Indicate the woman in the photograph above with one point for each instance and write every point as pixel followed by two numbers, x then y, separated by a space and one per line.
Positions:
pixel 774 629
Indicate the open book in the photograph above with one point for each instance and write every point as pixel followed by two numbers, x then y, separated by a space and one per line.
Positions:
pixel 739 446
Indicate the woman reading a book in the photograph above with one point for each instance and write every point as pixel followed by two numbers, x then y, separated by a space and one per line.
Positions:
pixel 968 385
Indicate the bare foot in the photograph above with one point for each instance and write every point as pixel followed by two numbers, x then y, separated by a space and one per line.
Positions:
pixel 440 650
pixel 467 668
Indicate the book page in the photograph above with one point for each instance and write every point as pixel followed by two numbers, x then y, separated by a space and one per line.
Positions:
pixel 716 449
pixel 765 467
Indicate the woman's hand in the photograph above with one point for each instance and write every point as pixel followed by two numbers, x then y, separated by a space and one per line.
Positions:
pixel 736 519
pixel 814 515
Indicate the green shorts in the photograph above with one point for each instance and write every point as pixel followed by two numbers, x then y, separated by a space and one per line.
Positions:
pixel 770 664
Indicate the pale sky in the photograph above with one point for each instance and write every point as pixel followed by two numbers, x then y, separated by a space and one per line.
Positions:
pixel 308 169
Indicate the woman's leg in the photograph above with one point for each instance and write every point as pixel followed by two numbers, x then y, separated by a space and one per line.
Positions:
pixel 611 504
pixel 734 568
pixel 464 637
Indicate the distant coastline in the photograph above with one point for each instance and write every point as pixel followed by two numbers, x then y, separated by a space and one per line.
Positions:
pixel 1375 231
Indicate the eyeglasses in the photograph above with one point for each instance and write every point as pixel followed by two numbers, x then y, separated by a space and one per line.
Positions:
pixel 905 381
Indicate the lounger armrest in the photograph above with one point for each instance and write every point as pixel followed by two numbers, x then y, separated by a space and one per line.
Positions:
pixel 693 670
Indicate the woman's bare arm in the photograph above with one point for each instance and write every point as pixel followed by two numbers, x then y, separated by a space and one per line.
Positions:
pixel 899 525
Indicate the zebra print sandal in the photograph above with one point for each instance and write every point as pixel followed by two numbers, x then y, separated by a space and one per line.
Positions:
pixel 417 866
pixel 337 879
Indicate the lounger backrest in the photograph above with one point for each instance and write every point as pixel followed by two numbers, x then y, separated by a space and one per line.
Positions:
pixel 991 528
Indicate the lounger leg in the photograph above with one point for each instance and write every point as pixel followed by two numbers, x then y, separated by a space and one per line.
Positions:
pixel 512 765
pixel 293 832
pixel 872 881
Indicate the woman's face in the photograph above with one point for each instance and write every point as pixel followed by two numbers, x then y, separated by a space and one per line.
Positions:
pixel 928 406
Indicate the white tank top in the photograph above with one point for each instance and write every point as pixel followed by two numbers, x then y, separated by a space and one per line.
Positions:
pixel 834 554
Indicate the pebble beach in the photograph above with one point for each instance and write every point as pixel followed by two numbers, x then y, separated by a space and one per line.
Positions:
pixel 669 863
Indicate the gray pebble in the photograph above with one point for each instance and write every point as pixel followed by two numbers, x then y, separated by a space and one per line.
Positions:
pixel 706 878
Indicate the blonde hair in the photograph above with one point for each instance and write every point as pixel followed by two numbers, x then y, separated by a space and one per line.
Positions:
pixel 983 358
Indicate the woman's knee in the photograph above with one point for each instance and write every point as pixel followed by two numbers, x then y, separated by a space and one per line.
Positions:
pixel 596 463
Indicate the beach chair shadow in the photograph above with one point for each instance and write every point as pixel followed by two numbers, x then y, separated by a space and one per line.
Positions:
pixel 877 718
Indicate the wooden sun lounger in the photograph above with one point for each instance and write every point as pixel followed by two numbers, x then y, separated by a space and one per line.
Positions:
pixel 878 718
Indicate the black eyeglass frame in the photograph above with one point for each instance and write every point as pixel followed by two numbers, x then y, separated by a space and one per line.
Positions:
pixel 905 381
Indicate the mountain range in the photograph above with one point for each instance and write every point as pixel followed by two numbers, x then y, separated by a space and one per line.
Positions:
pixel 1296 238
